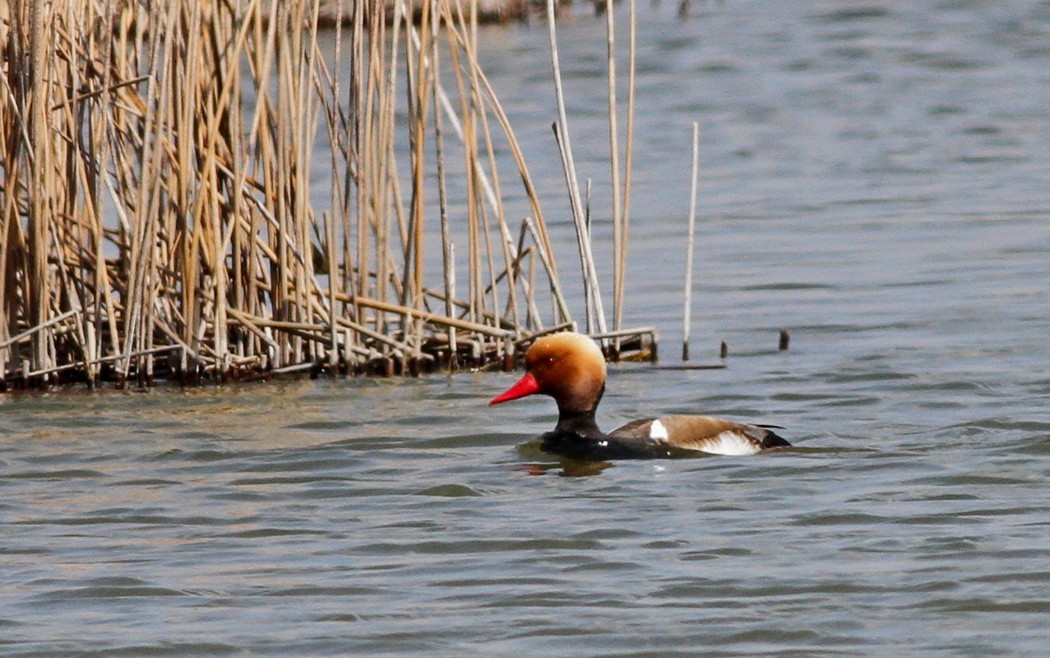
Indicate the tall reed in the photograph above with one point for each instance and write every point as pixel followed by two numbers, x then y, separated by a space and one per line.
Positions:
pixel 158 219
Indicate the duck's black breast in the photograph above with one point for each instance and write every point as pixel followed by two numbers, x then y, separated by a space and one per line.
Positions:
pixel 603 447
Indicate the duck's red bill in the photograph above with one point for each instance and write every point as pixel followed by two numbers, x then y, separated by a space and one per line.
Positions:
pixel 527 385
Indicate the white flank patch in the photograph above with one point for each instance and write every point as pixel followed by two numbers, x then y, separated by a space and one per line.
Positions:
pixel 657 431
pixel 730 443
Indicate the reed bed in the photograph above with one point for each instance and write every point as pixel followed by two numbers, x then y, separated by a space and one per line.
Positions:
pixel 156 206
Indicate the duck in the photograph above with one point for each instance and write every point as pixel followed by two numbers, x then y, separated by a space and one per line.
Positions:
pixel 570 368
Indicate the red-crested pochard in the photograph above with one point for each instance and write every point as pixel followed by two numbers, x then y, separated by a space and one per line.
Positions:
pixel 570 368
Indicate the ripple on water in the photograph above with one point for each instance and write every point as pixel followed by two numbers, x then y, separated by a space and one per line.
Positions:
pixel 450 491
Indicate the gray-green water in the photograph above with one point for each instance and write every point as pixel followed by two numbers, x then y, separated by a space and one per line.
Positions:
pixel 875 181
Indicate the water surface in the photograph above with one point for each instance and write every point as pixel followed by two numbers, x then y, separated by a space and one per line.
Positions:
pixel 874 182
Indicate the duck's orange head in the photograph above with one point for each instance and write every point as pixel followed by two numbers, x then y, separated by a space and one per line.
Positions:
pixel 567 366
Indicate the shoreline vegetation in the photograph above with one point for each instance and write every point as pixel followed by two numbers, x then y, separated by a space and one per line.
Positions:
pixel 156 217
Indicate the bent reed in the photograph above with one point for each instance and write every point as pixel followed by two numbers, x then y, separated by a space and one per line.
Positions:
pixel 157 219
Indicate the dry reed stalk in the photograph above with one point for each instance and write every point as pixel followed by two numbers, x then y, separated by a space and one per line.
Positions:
pixel 420 88
pixel 534 312
pixel 37 299
pixel 28 333
pixel 595 313
pixel 332 115
pixel 620 274
pixel 687 311
pixel 447 249
pixel 614 165
pixel 474 217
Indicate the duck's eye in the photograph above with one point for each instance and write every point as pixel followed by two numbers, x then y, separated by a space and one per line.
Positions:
pixel 544 363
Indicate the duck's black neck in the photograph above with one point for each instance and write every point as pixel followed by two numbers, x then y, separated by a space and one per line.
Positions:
pixel 577 436
pixel 581 423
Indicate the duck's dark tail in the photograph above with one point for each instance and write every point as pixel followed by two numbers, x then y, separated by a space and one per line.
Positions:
pixel 772 439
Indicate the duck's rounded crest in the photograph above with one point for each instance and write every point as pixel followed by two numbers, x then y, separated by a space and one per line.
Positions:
pixel 567 366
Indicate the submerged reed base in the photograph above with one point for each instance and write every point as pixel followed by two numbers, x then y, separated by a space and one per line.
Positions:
pixel 158 217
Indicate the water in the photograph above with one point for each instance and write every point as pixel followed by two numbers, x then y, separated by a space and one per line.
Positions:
pixel 874 182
